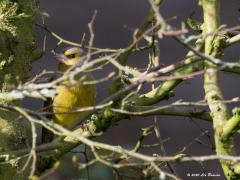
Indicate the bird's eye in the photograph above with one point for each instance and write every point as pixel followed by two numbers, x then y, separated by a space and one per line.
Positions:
pixel 71 56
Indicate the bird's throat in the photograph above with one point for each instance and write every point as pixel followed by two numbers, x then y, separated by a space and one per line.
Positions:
pixel 63 67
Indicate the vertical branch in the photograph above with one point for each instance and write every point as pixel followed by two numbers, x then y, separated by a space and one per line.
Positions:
pixel 211 85
pixel 17 51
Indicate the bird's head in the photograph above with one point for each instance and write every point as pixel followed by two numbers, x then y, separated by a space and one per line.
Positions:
pixel 71 56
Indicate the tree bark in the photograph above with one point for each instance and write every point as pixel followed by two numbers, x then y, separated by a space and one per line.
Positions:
pixel 17 51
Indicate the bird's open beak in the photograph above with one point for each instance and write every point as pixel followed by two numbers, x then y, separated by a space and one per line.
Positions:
pixel 60 57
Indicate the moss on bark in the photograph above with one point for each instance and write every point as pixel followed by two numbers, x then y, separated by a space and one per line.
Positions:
pixel 17 45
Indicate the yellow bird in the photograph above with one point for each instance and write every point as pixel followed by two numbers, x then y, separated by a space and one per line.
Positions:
pixel 72 95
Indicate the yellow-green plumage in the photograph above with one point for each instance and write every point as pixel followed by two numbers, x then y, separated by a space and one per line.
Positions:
pixel 70 98
pixel 72 95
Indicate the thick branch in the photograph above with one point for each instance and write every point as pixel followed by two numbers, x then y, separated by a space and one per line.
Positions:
pixel 17 52
pixel 211 85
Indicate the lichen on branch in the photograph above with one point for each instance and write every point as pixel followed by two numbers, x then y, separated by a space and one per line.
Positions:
pixel 17 45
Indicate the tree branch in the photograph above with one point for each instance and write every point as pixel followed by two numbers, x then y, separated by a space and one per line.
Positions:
pixel 213 92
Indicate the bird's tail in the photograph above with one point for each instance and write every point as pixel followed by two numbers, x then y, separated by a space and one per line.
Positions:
pixel 47 135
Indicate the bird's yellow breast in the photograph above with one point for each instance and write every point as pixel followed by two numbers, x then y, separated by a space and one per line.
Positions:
pixel 69 98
